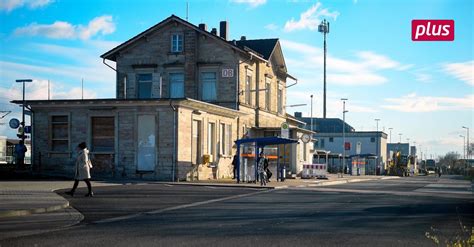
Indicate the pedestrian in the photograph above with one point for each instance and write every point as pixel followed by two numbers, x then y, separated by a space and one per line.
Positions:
pixel 267 170
pixel 82 170
pixel 439 172
pixel 20 150
pixel 234 166
pixel 261 170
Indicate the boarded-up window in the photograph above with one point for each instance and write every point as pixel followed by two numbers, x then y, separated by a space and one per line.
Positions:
pixel 229 139
pixel 225 139
pixel 60 133
pixel 103 134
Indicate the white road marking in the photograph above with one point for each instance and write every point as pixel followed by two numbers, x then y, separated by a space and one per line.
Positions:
pixel 131 216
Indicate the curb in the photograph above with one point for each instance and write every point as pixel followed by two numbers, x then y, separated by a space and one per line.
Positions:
pixel 218 185
pixel 23 212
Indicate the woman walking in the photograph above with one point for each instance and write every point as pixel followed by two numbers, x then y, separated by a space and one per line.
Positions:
pixel 82 171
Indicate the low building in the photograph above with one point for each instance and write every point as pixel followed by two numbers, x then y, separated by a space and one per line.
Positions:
pixel 372 145
pixel 183 96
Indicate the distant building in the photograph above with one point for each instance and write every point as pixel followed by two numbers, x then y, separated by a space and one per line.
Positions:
pixel 329 137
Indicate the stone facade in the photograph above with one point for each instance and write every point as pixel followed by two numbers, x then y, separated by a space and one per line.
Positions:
pixel 186 129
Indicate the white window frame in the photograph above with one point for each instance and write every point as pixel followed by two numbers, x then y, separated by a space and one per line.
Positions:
pixel 280 99
pixel 211 139
pixel 176 46
pixel 268 90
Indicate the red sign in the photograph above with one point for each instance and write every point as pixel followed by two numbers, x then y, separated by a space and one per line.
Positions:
pixel 347 146
pixel 432 30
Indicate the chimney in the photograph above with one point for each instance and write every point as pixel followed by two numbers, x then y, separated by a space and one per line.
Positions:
pixel 203 26
pixel 214 31
pixel 224 30
pixel 243 38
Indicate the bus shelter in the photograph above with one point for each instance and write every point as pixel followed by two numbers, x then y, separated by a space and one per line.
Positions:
pixel 260 143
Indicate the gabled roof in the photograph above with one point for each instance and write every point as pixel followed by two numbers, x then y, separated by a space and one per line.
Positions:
pixel 264 47
pixel 111 55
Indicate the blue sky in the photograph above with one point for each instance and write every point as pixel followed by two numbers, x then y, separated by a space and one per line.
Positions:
pixel 423 90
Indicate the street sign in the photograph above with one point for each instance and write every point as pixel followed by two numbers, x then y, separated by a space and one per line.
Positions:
pixel 285 130
pixel 14 123
pixel 358 147
pixel 347 146
pixel 28 129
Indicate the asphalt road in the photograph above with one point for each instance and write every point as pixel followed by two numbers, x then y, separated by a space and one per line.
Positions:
pixel 421 211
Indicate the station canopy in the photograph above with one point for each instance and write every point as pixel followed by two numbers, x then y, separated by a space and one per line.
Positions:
pixel 265 141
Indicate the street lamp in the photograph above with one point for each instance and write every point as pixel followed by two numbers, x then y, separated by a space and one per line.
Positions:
pixel 463 146
pixel 377 146
pixel 311 113
pixel 390 129
pixel 23 107
pixel 295 105
pixel 324 28
pixel 343 135
pixel 468 154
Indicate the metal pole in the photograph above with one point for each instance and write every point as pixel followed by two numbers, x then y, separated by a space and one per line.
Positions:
pixel 324 113
pixel 377 146
pixel 463 146
pixel 468 154
pixel 23 114
pixel 343 136
pixel 390 129
pixel 82 89
pixel 48 90
pixel 311 114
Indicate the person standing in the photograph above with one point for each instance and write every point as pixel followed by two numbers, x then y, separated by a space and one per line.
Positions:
pixel 234 166
pixel 268 173
pixel 261 170
pixel 82 169
pixel 20 150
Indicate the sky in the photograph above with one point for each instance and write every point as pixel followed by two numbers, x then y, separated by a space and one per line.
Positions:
pixel 421 90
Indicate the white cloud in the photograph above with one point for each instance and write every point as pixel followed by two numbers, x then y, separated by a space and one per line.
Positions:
pixel 414 103
pixel 363 70
pixel 38 90
pixel 64 30
pixel 9 5
pixel 461 71
pixel 251 3
pixel 271 27
pixel 310 19
pixel 76 63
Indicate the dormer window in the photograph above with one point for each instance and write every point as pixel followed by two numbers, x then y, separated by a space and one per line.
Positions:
pixel 176 43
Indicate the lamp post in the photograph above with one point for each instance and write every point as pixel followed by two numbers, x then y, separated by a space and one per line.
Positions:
pixel 463 146
pixel 343 135
pixel 390 130
pixel 376 146
pixel 311 114
pixel 324 28
pixel 23 107
pixel 468 154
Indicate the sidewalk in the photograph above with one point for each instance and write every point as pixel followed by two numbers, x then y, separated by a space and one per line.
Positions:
pixel 26 197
